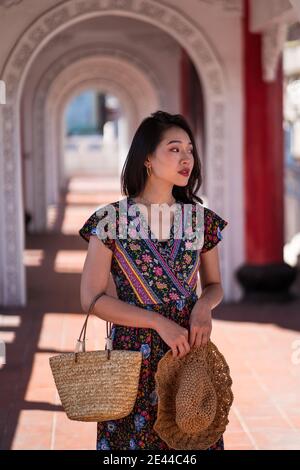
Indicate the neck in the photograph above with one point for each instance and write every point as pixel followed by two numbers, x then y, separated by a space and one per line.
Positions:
pixel 155 199
pixel 157 195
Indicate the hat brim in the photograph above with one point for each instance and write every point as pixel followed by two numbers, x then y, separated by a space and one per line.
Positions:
pixel 166 386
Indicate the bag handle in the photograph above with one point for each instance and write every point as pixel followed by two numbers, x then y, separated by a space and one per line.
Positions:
pixel 81 342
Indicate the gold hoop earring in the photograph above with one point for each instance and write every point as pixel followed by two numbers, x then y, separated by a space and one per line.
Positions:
pixel 149 171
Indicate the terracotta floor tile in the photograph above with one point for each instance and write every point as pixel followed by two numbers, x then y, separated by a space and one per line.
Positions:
pixel 74 435
pixel 233 440
pixel 34 430
pixel 276 438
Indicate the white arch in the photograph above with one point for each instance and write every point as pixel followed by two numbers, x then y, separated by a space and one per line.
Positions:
pixel 106 86
pixel 102 71
pixel 39 33
pixel 58 124
pixel 36 196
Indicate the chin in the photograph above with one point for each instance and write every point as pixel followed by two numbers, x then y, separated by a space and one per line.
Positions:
pixel 181 183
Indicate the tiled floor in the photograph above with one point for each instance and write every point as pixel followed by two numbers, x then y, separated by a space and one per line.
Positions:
pixel 261 344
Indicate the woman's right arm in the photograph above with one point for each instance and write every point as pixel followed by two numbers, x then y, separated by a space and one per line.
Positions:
pixel 95 279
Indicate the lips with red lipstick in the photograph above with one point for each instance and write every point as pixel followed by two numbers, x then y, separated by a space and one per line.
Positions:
pixel 184 172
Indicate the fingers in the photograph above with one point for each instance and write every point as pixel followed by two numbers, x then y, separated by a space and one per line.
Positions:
pixel 204 339
pixel 193 334
pixel 181 349
pixel 195 337
pixel 174 351
pixel 181 346
pixel 206 336
pixel 198 341
pixel 199 338
pixel 185 348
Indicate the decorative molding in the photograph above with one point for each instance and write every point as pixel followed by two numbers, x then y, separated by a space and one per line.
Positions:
pixel 17 66
pixel 265 13
pixel 273 40
pixel 39 102
pixel 232 7
pixel 91 66
pixel 296 6
pixel 9 3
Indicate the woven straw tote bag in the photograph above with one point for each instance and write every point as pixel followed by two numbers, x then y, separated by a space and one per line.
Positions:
pixel 96 385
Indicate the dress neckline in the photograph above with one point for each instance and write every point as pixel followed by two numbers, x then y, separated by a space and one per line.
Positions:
pixel 151 235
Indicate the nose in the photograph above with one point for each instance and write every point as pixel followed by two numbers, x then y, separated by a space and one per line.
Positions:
pixel 186 157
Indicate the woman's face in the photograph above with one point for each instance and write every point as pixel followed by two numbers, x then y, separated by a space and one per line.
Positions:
pixel 173 154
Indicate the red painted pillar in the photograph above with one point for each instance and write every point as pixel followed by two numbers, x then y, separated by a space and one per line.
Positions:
pixel 264 276
pixel 264 155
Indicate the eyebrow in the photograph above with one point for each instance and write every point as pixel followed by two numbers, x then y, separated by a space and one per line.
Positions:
pixel 175 141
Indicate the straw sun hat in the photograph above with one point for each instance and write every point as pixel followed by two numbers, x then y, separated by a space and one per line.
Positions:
pixel 194 398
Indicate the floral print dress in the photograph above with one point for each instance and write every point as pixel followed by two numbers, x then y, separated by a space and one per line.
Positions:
pixel 160 276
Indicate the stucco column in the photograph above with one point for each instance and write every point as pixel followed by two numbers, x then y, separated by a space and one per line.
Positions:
pixel 296 5
pixel 185 77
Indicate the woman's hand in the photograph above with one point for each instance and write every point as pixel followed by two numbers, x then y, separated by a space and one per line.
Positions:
pixel 174 335
pixel 200 323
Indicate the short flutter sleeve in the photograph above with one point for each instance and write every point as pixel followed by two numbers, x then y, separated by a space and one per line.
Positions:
pixel 102 223
pixel 213 225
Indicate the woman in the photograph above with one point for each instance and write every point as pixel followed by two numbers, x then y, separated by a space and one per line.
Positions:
pixel 157 308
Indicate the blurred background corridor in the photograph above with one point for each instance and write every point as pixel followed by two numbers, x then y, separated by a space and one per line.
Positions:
pixel 76 79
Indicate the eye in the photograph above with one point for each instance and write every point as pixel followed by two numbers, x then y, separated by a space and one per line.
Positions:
pixel 190 150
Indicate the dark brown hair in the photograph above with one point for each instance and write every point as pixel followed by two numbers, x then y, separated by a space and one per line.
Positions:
pixel 146 139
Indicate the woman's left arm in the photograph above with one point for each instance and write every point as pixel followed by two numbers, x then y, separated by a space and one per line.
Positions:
pixel 211 296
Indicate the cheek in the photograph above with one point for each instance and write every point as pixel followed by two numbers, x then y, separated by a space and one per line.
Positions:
pixel 167 162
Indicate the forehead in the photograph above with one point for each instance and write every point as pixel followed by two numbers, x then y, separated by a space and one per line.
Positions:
pixel 176 133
